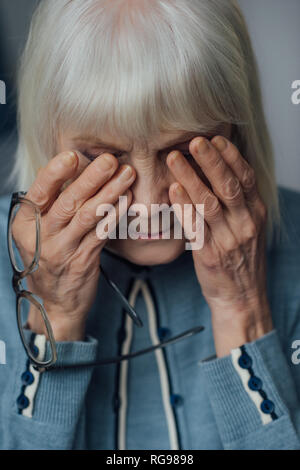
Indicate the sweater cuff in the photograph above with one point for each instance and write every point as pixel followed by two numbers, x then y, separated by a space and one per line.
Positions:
pixel 246 388
pixel 56 396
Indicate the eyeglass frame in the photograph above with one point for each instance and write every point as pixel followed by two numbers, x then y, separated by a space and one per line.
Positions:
pixel 18 197
pixel 18 275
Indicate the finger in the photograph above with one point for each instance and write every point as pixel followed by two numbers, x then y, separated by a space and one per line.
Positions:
pixel 223 180
pixel 96 238
pixel 239 166
pixel 256 212
pixel 49 179
pixel 86 217
pixel 192 221
pixel 95 175
pixel 199 193
pixel 83 162
pixel 226 185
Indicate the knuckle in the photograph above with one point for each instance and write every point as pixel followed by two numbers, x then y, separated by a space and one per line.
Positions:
pixel 235 156
pixel 66 204
pixel 196 186
pixel 38 192
pixel 80 265
pixel 111 191
pixel 25 244
pixel 232 246
pixel 85 218
pixel 211 263
pixel 54 263
pixel 218 164
pixel 263 211
pixel 231 189
pixel 250 231
pixel 212 206
pixel 89 182
pixel 92 241
pixel 249 178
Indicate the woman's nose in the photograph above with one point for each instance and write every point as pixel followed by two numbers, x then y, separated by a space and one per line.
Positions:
pixel 151 185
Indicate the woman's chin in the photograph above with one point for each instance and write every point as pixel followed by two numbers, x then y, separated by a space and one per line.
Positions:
pixel 147 253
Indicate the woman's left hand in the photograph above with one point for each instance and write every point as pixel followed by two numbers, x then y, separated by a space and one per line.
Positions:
pixel 231 265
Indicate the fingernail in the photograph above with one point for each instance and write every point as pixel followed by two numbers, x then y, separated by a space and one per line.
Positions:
pixel 179 189
pixel 106 162
pixel 174 160
pixel 220 143
pixel 126 174
pixel 69 158
pixel 202 146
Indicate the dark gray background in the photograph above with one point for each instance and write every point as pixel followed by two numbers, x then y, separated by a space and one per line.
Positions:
pixel 274 27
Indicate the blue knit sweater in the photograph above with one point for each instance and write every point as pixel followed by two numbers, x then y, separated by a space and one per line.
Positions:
pixel 168 399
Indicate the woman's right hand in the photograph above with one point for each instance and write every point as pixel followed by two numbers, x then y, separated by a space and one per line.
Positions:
pixel 68 273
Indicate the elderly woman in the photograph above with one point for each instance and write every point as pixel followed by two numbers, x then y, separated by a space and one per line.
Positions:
pixel 158 102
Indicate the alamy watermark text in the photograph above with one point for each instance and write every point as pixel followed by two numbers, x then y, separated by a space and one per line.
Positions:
pixel 2 352
pixel 2 92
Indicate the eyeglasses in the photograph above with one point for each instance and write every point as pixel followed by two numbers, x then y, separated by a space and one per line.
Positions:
pixel 26 301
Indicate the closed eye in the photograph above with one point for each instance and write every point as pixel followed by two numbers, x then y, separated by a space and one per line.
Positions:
pixel 93 157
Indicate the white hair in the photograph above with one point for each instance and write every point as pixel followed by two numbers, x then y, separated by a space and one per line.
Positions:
pixel 136 68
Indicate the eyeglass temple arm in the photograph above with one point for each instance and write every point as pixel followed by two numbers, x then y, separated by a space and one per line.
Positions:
pixel 129 309
pixel 113 360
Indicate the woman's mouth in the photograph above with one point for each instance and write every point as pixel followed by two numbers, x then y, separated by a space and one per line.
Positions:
pixel 166 235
